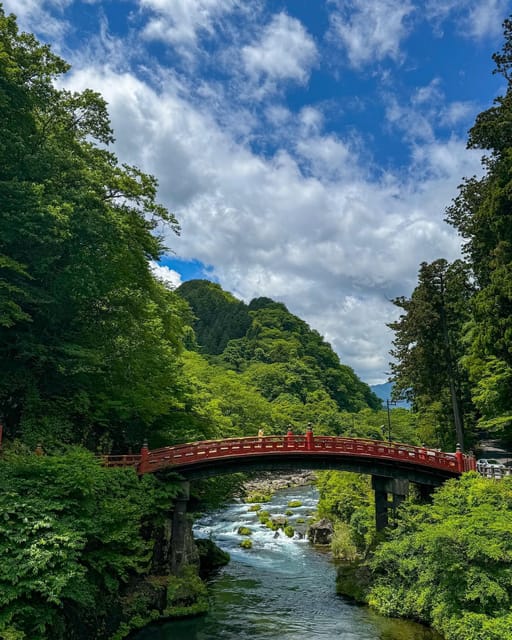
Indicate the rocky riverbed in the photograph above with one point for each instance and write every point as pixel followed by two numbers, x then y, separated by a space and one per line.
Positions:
pixel 269 482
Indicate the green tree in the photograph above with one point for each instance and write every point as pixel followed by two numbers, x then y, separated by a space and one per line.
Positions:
pixel 71 540
pixel 449 564
pixel 88 338
pixel 219 316
pixel 428 346
pixel 481 214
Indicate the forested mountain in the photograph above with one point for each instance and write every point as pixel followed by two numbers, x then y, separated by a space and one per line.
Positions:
pixel 271 349
pixel 219 316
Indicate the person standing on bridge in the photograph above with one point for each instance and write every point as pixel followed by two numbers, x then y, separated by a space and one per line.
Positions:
pixel 260 433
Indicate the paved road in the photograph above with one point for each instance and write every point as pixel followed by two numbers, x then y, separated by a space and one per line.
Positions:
pixel 492 449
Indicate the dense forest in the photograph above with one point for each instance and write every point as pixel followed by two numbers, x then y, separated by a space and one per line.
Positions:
pixel 446 563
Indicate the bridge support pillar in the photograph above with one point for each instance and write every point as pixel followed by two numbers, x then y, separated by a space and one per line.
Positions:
pixel 426 491
pixel 399 490
pixel 179 529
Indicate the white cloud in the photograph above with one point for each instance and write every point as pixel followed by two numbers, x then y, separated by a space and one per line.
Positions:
pixel 370 30
pixel 284 51
pixel 456 112
pixel 168 276
pixel 277 203
pixel 415 123
pixel 41 16
pixel 178 22
pixel 429 94
pixel 474 18
pixel 426 111
pixel 316 241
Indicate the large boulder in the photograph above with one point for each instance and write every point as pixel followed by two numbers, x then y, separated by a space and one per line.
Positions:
pixel 321 532
pixel 211 557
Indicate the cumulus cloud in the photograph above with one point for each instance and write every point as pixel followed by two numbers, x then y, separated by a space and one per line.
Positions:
pixel 178 22
pixel 266 193
pixel 334 246
pixel 169 277
pixel 475 19
pixel 284 51
pixel 370 30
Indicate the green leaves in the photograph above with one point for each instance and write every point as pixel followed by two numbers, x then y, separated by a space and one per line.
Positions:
pixel 70 537
pixel 87 335
pixel 428 346
pixel 451 560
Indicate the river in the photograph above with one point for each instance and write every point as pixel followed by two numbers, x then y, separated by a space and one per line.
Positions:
pixel 282 588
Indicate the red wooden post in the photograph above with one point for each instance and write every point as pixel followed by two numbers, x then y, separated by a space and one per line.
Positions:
pixel 144 458
pixel 290 441
pixel 460 458
pixel 309 437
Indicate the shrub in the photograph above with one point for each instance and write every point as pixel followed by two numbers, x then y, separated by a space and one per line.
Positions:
pixel 342 544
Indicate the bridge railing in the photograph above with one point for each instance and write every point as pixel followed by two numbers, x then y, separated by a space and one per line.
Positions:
pixel 129 460
pixel 195 452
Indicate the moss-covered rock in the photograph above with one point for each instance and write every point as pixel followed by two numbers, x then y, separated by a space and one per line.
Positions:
pixel 244 531
pixel 246 543
pixel 320 532
pixel 258 497
pixel 162 597
pixel 211 557
pixel 353 580
pixel 254 507
pixel 280 521
pixel 293 504
pixel 186 595
pixel 289 531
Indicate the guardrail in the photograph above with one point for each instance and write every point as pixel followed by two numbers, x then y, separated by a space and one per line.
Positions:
pixel 488 471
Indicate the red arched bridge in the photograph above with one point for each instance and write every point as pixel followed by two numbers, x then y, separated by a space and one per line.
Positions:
pixel 215 457
pixel 392 466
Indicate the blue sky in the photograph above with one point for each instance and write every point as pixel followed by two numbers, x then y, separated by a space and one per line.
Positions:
pixel 307 147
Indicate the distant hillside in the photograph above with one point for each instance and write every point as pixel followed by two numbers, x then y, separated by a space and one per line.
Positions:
pixel 384 390
pixel 274 350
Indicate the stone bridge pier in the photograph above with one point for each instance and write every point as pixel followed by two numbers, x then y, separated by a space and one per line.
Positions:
pixel 389 494
pixel 180 530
